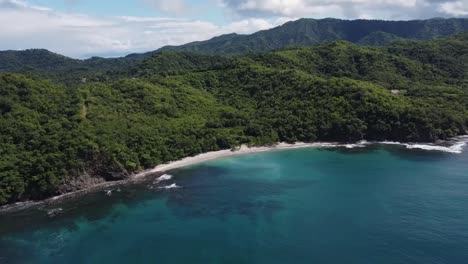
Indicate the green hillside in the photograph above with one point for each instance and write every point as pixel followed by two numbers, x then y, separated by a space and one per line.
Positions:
pixel 172 105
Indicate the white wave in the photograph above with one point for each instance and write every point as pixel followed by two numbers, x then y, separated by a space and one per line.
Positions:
pixel 54 212
pixel 360 144
pixel 456 148
pixel 172 186
pixel 164 177
pixel 389 143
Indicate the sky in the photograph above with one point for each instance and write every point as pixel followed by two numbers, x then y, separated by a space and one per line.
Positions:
pixel 85 28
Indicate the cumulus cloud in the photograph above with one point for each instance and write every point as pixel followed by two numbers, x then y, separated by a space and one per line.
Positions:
pixel 79 35
pixel 382 9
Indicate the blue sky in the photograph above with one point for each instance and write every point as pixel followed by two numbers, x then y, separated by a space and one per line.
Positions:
pixel 208 10
pixel 84 28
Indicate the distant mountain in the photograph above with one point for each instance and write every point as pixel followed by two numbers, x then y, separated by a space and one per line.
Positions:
pixel 44 63
pixel 34 58
pixel 307 32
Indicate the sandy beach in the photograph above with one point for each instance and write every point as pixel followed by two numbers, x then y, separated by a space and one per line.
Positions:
pixel 228 153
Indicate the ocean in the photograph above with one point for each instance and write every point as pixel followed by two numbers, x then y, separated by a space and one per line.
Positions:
pixel 375 204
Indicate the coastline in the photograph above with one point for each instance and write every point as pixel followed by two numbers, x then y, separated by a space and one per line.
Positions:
pixel 159 170
pixel 457 145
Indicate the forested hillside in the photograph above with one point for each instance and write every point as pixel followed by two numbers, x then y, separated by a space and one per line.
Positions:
pixel 308 32
pixel 176 104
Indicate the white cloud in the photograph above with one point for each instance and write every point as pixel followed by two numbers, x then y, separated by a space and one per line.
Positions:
pixel 457 8
pixel 381 9
pixel 18 4
pixel 79 35
pixel 246 26
pixel 173 7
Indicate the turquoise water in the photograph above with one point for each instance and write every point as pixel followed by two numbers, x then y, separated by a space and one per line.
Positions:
pixel 372 205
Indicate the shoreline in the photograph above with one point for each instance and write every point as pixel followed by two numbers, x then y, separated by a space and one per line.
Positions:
pixel 159 170
pixel 458 143
pixel 456 148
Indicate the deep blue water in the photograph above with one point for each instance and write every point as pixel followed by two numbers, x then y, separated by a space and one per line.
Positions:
pixel 373 205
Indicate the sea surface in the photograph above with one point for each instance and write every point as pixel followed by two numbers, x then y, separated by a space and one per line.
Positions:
pixel 376 204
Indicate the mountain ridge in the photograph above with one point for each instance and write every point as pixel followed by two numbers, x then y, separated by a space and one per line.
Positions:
pixel 428 29
pixel 307 32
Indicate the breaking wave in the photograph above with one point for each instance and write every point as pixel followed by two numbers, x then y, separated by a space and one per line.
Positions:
pixel 164 177
pixel 360 144
pixel 172 186
pixel 54 212
pixel 456 147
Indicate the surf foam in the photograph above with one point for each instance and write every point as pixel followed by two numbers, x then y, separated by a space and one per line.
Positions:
pixel 54 212
pixel 172 186
pixel 164 177
pixel 456 148
pixel 360 144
